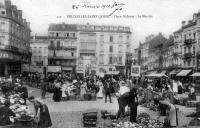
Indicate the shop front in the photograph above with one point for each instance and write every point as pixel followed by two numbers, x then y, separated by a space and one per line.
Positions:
pixel 10 63
pixel 120 69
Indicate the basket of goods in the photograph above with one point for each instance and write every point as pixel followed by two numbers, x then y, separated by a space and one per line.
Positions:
pixel 142 116
pixel 106 115
pixel 25 118
pixel 127 124
pixel 90 119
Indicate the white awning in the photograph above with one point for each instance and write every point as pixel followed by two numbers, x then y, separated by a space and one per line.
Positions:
pixel 54 68
pixel 196 74
pixel 157 75
pixel 183 72
pixel 163 72
pixel 174 71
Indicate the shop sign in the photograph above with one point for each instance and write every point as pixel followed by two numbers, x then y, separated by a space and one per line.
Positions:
pixel 135 70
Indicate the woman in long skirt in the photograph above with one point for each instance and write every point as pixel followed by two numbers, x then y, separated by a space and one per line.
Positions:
pixel 171 114
pixel 100 92
pixel 57 92
pixel 41 112
pixel 83 90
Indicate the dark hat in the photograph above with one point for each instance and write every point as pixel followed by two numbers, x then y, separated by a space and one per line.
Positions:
pixel 7 103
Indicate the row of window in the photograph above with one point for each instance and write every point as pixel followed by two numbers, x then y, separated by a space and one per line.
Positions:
pixel 190 35
pixel 104 28
pixel 112 60
pixel 59 44
pixel 189 63
pixel 21 44
pixel 14 29
pixel 56 34
pixel 40 58
pixel 39 49
pixel 58 62
pixel 186 50
pixel 111 38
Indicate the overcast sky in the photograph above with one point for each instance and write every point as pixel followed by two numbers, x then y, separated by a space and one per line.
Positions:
pixel 166 14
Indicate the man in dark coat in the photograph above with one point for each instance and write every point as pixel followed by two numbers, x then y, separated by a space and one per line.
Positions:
pixel 123 101
pixel 43 88
pixel 107 88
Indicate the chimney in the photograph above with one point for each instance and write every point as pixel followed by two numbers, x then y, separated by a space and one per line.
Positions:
pixel 183 23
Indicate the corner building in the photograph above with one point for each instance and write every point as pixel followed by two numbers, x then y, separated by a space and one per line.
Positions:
pixel 14 39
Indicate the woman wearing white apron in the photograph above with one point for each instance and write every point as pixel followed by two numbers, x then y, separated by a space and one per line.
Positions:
pixel 171 113
pixel 83 90
pixel 64 89
pixel 100 92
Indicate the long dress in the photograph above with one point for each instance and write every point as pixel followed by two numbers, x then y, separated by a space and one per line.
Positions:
pixel 64 88
pixel 57 94
pixel 100 93
pixel 83 91
pixel 172 115
pixel 45 118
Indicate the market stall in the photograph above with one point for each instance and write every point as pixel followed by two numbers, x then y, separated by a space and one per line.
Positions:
pixel 23 117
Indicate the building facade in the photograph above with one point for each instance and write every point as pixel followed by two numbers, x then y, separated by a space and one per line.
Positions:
pixel 62 47
pixel 103 48
pixel 186 44
pixel 39 59
pixel 14 39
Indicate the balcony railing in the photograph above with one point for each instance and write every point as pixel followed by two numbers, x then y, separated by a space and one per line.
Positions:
pixel 175 54
pixel 187 56
pixel 72 48
pixel 189 41
pixel 61 57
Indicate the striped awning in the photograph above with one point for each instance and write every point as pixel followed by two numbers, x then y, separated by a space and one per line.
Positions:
pixel 174 71
pixel 183 72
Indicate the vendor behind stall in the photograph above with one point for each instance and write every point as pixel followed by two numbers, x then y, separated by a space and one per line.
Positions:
pixel 5 113
pixel 42 113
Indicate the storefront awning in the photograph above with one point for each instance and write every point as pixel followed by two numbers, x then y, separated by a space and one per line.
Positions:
pixel 196 74
pixel 163 72
pixel 156 75
pixel 54 68
pixel 183 72
pixel 174 72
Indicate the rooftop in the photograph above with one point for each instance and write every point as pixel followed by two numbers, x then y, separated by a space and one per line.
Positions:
pixel 62 27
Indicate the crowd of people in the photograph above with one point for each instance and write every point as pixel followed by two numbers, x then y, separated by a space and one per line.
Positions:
pixel 128 91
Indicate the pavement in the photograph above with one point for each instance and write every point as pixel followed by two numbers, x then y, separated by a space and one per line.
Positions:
pixel 68 114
